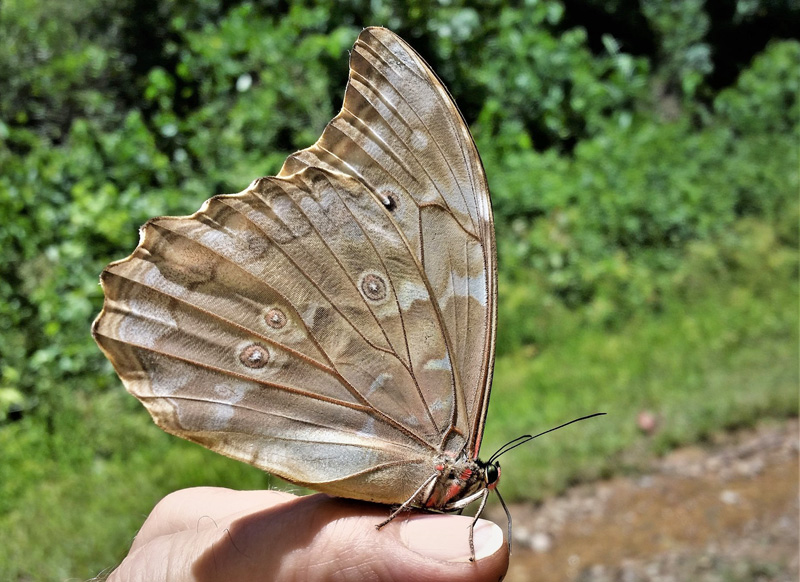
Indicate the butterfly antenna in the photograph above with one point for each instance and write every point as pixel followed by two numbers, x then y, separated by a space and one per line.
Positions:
pixel 526 437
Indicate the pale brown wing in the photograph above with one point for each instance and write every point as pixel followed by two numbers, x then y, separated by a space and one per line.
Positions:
pixel 291 326
pixel 251 328
pixel 401 135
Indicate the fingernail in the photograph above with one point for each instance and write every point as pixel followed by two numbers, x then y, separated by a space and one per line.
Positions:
pixel 446 537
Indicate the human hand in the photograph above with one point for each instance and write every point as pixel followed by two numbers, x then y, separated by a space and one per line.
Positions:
pixel 209 534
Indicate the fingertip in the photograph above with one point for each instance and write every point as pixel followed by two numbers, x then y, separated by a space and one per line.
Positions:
pixel 446 538
pixel 489 539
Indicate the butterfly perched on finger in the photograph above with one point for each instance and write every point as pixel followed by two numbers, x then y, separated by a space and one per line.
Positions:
pixel 335 324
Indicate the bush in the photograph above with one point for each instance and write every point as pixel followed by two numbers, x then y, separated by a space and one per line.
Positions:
pixel 94 143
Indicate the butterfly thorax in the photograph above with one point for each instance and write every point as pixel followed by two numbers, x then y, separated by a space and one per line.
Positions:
pixel 459 482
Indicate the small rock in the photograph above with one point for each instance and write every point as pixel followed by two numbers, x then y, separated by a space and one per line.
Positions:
pixel 646 481
pixel 647 422
pixel 541 542
pixel 729 497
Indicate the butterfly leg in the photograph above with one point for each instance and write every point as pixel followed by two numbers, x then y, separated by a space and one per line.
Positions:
pixel 408 502
pixel 508 518
pixel 484 496
pixel 484 493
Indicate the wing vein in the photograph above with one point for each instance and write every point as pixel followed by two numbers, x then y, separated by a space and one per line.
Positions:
pixel 367 443
pixel 220 318
pixel 410 366
pixel 335 401
pixel 388 104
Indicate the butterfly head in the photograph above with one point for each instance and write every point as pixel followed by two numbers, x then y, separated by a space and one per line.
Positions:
pixel 491 472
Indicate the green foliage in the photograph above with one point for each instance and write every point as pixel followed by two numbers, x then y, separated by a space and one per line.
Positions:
pixel 764 99
pixel 723 358
pixel 52 73
pixel 550 88
pixel 684 55
pixel 257 86
pixel 646 222
pixel 74 510
pixel 612 224
pixel 603 232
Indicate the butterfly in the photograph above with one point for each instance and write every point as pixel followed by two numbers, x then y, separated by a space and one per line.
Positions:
pixel 335 324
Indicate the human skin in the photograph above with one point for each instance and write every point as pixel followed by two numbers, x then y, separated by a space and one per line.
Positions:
pixel 209 534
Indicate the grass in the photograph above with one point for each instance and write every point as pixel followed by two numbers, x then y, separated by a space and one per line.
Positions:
pixel 73 491
pixel 722 362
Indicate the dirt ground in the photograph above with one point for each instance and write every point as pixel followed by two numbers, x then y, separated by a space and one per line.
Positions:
pixel 726 512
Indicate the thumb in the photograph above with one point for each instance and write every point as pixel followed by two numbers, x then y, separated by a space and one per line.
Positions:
pixel 318 538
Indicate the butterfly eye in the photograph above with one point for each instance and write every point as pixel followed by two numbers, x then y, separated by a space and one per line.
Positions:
pixel 373 287
pixel 254 356
pixel 276 318
pixel 492 474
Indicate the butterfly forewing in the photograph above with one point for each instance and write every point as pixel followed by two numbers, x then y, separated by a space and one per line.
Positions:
pixel 333 325
pixel 400 133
